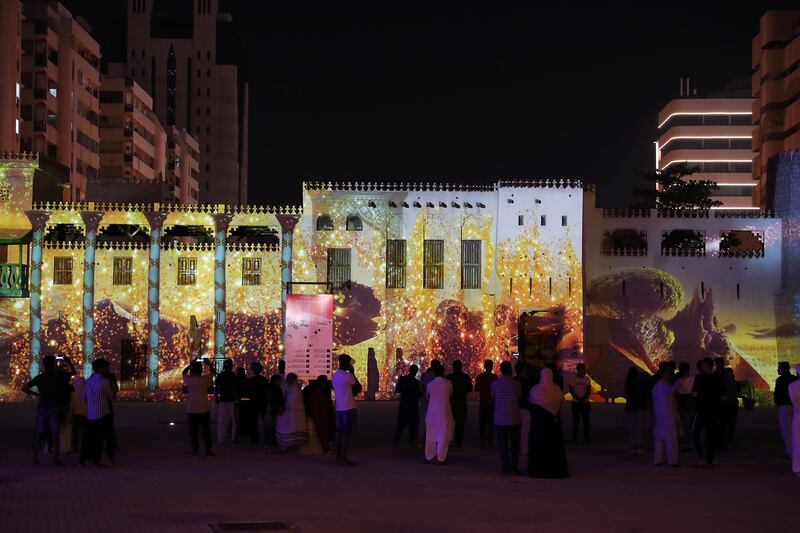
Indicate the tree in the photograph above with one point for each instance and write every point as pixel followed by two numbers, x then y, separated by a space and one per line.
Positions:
pixel 673 188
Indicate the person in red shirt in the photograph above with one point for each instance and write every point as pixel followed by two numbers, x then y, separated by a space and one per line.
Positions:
pixel 483 386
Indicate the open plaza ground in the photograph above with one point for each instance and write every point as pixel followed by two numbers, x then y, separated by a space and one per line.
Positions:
pixel 157 485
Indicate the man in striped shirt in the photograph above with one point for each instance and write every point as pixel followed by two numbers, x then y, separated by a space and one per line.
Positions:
pixel 506 395
pixel 98 393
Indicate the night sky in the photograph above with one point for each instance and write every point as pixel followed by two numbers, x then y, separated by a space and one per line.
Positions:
pixel 444 94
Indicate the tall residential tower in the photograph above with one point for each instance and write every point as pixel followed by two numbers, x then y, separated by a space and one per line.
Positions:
pixel 175 51
pixel 776 88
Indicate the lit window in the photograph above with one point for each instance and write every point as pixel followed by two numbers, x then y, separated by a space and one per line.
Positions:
pixel 470 264
pixel 251 271
pixel 62 271
pixel 123 270
pixel 338 266
pixel 16 127
pixel 395 264
pixel 187 270
pixel 433 264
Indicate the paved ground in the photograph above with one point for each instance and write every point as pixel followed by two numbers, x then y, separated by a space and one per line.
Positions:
pixel 157 486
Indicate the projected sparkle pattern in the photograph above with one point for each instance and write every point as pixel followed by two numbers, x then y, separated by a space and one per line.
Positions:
pixel 412 324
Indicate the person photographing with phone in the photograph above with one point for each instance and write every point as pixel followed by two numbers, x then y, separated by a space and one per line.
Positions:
pixel 53 390
pixel 345 388
pixel 198 407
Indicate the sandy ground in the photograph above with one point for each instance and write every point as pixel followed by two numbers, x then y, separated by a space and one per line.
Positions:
pixel 158 486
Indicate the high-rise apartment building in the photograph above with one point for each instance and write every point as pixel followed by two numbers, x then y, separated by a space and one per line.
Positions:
pixel 713 133
pixel 776 88
pixel 132 141
pixel 61 82
pixel 175 51
pixel 10 89
pixel 135 146
pixel 183 167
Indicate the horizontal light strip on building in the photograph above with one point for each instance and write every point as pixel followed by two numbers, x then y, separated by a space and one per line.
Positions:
pixel 707 137
pixel 705 113
pixel 736 184
pixel 723 208
pixel 708 161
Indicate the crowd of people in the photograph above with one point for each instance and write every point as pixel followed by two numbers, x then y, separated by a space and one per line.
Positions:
pixel 519 411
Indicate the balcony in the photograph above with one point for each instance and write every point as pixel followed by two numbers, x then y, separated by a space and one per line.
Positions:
pixel 39 94
pixel 39 125
pixel 13 280
pixel 40 60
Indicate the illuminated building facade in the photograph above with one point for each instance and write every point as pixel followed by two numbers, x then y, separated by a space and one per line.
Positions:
pixel 417 271
pixel 714 134
pixel 680 286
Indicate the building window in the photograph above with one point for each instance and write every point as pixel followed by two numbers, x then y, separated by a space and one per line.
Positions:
pixel 544 220
pixel 187 270
pixel 395 264
pixel 251 271
pixel 62 271
pixel 354 223
pixel 324 223
pixel 520 220
pixel 563 220
pixel 470 264
pixel 433 264
pixel 338 266
pixel 123 270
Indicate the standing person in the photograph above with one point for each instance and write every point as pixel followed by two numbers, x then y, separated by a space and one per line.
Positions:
pixel 320 409
pixel 345 388
pixel 98 393
pixel 784 404
pixel 53 390
pixel 794 396
pixel 225 396
pixel 708 391
pixel 410 391
pixel 78 409
pixel 246 415
pixel 506 395
pixel 428 376
pixel 290 426
pixel 635 408
pixel 483 386
pixel 558 379
pixel 546 456
pixel 685 404
pixel 521 371
pixel 439 421
pixel 462 386
pixel 263 422
pixel 111 426
pixel 580 387
pixel 197 406
pixel 665 430
pixel 275 403
pixel 730 405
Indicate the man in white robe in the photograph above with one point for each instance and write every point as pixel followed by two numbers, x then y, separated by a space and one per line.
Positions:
pixel 439 421
pixel 665 430
pixel 794 395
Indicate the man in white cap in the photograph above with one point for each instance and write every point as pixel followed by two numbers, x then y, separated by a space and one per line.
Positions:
pixel 794 394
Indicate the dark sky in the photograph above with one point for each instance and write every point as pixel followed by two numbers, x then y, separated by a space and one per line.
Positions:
pixel 465 94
